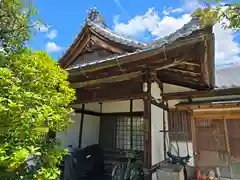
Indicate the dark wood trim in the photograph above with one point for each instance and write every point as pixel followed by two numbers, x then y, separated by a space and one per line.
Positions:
pixel 81 127
pixel 164 136
pixel 158 81
pixel 147 78
pixel 88 112
pixel 159 104
pixel 131 131
pixel 93 113
pixel 202 94
pixel 136 113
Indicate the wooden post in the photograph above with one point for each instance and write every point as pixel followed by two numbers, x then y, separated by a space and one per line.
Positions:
pixel 81 127
pixel 147 119
pixel 131 136
pixel 194 140
pixel 227 146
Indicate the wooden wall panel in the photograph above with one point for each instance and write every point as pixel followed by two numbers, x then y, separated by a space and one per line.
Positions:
pixel 109 92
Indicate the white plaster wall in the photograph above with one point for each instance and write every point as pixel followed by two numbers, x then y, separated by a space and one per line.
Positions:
pixel 96 107
pixel 90 133
pixel 122 106
pixel 157 137
pixel 156 91
pixel 71 135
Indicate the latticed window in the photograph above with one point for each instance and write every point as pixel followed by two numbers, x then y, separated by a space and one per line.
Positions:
pixel 130 133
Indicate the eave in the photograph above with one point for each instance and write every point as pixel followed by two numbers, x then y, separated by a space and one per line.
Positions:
pixel 180 56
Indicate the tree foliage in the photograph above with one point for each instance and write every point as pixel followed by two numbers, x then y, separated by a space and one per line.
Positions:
pixel 17 21
pixel 34 94
pixel 34 98
pixel 228 14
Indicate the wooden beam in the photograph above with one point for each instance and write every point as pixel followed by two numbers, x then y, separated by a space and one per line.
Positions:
pixel 123 90
pixel 159 104
pixel 181 80
pixel 81 127
pixel 110 79
pixel 87 112
pixel 208 106
pixel 106 45
pixel 217 114
pixel 184 71
pixel 160 84
pixel 76 48
pixel 94 113
pixel 191 63
pixel 201 94
pixel 147 121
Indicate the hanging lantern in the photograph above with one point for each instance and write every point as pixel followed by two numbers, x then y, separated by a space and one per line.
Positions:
pixel 145 87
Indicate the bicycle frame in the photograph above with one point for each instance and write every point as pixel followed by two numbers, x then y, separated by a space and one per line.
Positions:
pixel 131 171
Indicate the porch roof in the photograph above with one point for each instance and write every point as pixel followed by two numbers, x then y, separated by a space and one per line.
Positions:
pixel 209 104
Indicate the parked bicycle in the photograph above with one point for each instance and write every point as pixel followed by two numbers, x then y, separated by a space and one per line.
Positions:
pixel 132 170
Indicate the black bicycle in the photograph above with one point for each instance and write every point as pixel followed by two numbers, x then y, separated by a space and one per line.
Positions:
pixel 132 170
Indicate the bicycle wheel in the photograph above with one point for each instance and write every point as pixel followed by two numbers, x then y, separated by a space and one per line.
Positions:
pixel 118 172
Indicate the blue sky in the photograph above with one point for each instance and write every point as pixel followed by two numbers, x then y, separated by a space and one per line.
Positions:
pixel 141 20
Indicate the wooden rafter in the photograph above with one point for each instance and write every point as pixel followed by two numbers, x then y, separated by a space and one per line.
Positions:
pixel 191 63
pixel 184 71
pixel 76 49
pixel 158 81
pixel 106 45
pixel 110 92
pixel 110 79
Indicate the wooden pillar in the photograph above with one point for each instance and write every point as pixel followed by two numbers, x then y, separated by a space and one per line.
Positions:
pixel 81 127
pixel 147 118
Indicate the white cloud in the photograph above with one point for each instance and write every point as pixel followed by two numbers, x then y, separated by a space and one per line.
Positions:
pixel 167 11
pixel 52 47
pixel 52 34
pixel 151 22
pixel 41 27
pixel 226 48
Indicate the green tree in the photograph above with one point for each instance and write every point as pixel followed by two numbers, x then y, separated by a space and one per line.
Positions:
pixel 18 19
pixel 218 11
pixel 34 94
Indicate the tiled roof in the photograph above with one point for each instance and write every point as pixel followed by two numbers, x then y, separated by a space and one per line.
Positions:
pixel 96 22
pixel 187 29
pixel 228 77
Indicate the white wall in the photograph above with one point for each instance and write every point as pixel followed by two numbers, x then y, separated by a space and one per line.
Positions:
pixel 91 124
pixel 122 106
pixel 90 133
pixel 71 136
pixel 157 137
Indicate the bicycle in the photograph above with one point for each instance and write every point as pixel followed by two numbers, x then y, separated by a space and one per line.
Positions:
pixel 132 170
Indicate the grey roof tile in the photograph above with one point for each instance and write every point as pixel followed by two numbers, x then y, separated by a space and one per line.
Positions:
pixel 187 29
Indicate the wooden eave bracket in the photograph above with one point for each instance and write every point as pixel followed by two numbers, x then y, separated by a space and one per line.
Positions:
pixel 160 104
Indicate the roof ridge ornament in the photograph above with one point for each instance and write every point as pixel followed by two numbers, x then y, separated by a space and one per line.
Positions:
pixel 96 17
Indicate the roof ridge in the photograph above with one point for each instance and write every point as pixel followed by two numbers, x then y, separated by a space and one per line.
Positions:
pixel 187 29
